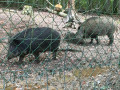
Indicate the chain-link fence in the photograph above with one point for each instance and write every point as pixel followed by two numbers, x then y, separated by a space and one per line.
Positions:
pixel 59 45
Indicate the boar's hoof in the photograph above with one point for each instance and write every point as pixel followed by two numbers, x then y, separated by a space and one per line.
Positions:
pixel 19 63
pixel 54 58
pixel 109 44
pixel 37 61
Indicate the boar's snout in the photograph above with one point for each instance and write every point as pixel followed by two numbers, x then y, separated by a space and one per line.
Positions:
pixel 9 56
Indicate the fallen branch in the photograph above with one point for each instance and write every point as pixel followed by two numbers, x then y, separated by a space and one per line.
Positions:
pixel 50 3
pixel 58 13
pixel 9 10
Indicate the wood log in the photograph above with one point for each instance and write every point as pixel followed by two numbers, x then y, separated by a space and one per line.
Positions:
pixel 55 12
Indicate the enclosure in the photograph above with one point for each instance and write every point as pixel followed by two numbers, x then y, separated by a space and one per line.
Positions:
pixel 77 66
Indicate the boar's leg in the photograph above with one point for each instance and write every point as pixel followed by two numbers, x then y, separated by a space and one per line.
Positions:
pixel 36 57
pixel 111 38
pixel 21 59
pixel 54 55
pixel 91 40
pixel 96 38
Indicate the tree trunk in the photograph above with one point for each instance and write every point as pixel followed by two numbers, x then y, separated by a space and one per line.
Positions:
pixel 90 4
pixel 119 7
pixel 107 6
pixel 71 3
pixel 71 13
pixel 115 6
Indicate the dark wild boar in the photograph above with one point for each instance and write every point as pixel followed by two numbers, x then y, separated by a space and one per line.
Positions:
pixel 33 41
pixel 97 26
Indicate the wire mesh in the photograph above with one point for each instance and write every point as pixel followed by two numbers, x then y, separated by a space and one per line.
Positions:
pixel 70 45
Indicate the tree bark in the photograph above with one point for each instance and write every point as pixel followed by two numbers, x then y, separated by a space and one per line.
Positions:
pixel 119 7
pixel 115 6
pixel 107 6
pixel 71 14
pixel 71 3
pixel 90 4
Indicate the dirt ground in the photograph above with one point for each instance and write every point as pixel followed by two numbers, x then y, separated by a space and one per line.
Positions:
pixel 68 64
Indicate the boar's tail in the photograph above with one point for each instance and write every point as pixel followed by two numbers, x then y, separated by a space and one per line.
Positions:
pixel 71 50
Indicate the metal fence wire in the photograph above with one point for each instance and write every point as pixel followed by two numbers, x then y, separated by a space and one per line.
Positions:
pixel 59 45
